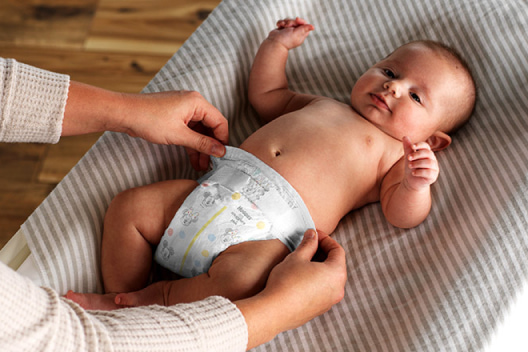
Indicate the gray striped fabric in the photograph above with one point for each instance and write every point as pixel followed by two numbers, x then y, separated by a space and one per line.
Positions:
pixel 442 286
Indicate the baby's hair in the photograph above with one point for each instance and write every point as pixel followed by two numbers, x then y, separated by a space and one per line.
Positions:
pixel 458 121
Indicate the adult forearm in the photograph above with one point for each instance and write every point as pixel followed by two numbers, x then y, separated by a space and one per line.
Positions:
pixel 35 318
pixel 91 109
pixel 263 322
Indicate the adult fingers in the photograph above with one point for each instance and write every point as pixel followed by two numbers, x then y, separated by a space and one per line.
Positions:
pixel 335 253
pixel 202 143
pixel 211 118
pixel 306 250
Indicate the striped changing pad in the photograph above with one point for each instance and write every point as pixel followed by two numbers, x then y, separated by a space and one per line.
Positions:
pixel 441 286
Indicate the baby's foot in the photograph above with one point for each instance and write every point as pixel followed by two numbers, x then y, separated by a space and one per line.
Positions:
pixel 94 301
pixel 152 294
pixel 139 298
pixel 128 299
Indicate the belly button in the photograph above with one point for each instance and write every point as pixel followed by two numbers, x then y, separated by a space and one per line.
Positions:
pixel 277 153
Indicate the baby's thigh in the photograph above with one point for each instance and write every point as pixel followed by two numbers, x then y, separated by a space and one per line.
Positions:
pixel 148 209
pixel 243 269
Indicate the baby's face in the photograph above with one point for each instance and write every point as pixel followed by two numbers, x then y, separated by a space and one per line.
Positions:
pixel 406 94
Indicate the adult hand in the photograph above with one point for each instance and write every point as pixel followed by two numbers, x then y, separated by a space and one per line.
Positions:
pixel 173 117
pixel 182 118
pixel 297 290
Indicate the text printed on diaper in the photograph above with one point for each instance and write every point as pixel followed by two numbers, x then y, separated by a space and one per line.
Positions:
pixel 240 217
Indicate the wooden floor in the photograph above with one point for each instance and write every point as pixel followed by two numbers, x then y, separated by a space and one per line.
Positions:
pixel 114 44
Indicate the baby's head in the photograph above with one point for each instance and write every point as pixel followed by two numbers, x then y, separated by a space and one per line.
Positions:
pixel 423 90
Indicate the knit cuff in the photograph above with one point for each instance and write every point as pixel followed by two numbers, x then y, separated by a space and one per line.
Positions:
pixel 213 324
pixel 223 326
pixel 32 103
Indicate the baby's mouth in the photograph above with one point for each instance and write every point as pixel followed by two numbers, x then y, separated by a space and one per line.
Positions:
pixel 380 102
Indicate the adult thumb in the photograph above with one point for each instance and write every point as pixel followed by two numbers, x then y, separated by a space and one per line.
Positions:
pixel 204 144
pixel 306 250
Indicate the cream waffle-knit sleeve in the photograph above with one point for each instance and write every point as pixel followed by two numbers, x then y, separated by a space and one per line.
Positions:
pixel 37 319
pixel 32 103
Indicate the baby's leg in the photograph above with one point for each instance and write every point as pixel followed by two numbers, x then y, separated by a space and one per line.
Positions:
pixel 239 272
pixel 134 222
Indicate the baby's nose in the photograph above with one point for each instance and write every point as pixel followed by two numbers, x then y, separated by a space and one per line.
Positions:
pixel 393 87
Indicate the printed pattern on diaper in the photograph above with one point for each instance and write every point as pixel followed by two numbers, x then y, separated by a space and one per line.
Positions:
pixel 189 216
pixel 210 220
pixel 260 184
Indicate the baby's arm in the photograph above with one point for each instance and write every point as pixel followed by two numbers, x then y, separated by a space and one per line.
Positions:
pixel 268 84
pixel 405 191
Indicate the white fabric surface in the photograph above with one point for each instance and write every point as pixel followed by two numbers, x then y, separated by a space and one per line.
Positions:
pixel 510 334
pixel 442 286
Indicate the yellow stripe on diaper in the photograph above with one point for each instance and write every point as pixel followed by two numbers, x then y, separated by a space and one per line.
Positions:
pixel 199 233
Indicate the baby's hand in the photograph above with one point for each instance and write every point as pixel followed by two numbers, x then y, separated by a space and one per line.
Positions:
pixel 291 32
pixel 421 166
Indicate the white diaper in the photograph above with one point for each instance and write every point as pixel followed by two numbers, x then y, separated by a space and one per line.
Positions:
pixel 241 199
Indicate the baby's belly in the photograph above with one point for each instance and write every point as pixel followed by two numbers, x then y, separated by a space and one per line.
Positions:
pixel 289 153
pixel 313 175
pixel 293 161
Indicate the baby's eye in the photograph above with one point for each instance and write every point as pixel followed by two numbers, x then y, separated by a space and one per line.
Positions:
pixel 389 73
pixel 415 97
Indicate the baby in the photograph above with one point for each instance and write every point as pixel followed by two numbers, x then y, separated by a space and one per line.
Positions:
pixel 314 161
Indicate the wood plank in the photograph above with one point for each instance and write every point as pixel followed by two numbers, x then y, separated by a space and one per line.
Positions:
pixel 63 156
pixel 115 71
pixel 50 23
pixel 20 162
pixel 19 194
pixel 17 201
pixel 127 45
pixel 19 197
pixel 154 26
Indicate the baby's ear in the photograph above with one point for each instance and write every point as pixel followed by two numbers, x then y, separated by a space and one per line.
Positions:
pixel 439 141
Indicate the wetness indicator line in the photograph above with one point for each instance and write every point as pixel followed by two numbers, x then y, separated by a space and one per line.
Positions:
pixel 199 233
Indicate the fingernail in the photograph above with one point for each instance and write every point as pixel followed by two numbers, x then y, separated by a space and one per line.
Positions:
pixel 218 150
pixel 309 234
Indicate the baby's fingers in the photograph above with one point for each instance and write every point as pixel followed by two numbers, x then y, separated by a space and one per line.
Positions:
pixel 420 150
pixel 421 154
pixel 428 176
pixel 421 145
pixel 425 169
pixel 289 22
pixel 423 164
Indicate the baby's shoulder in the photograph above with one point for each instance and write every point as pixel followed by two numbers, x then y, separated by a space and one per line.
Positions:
pixel 321 100
pixel 327 104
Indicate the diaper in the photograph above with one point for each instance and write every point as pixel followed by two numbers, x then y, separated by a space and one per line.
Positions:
pixel 241 199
